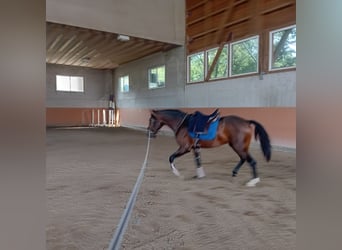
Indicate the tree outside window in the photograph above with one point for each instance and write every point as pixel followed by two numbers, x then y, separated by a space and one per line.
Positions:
pixel 283 48
pixel 196 67
pixel 221 68
pixel 245 56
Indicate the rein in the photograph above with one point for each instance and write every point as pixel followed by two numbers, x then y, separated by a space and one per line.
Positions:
pixel 180 124
pixel 115 243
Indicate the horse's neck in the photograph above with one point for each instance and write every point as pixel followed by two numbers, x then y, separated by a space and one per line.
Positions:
pixel 173 123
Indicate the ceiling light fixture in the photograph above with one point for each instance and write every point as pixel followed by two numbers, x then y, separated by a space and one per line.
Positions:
pixel 85 59
pixel 123 38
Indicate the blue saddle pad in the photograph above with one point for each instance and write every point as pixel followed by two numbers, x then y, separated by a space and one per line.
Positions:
pixel 210 135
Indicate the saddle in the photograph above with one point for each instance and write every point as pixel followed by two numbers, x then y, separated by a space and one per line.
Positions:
pixel 199 123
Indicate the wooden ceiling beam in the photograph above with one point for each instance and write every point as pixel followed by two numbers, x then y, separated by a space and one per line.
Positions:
pixel 142 54
pixel 219 37
pixel 240 31
pixel 70 45
pixel 235 22
pixel 276 8
pixel 214 12
pixel 196 5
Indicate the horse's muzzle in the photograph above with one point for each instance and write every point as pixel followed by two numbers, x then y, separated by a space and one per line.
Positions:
pixel 151 134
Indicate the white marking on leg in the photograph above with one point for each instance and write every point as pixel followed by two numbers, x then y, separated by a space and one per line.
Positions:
pixel 200 172
pixel 174 170
pixel 253 182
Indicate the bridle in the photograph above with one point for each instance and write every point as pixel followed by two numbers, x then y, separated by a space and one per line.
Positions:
pixel 154 120
pixel 180 124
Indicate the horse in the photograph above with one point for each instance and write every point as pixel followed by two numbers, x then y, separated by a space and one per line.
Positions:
pixel 233 130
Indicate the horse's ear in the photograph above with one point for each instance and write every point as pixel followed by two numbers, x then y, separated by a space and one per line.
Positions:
pixel 152 111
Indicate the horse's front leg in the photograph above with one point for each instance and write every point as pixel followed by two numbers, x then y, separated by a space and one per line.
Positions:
pixel 181 151
pixel 199 169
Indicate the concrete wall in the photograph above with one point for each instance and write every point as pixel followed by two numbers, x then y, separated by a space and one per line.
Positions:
pixel 64 108
pixel 139 95
pixel 160 20
pixel 273 90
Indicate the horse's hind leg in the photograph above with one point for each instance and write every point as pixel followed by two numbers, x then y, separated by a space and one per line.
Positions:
pixel 241 150
pixel 243 157
pixel 252 164
pixel 238 166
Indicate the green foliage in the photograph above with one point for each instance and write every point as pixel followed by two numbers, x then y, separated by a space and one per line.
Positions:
pixel 284 48
pixel 197 67
pixel 221 68
pixel 245 57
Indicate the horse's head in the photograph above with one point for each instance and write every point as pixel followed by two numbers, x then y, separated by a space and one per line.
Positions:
pixel 154 124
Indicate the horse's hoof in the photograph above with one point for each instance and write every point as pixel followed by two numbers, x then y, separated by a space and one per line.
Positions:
pixel 253 182
pixel 176 172
pixel 200 172
pixel 197 177
pixel 234 174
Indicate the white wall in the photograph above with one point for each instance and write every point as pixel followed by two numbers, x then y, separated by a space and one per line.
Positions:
pixel 274 90
pixel 161 20
pixel 97 86
pixel 139 95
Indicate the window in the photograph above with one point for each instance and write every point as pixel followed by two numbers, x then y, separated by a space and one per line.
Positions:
pixel 124 83
pixel 245 56
pixel 242 57
pixel 156 77
pixel 221 67
pixel 69 83
pixel 283 48
pixel 196 67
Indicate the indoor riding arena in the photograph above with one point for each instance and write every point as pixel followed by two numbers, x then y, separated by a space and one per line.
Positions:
pixel 116 175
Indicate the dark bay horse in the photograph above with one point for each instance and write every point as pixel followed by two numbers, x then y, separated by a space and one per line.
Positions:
pixel 232 130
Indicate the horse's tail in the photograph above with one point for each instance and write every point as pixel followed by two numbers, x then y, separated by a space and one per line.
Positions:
pixel 261 133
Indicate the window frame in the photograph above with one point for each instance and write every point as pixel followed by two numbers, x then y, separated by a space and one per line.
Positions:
pixel 149 76
pixel 270 47
pixel 70 87
pixel 204 67
pixel 208 67
pixel 263 63
pixel 121 88
pixel 231 56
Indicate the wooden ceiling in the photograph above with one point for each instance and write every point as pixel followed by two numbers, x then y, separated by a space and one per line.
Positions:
pixel 208 24
pixel 211 22
pixel 76 46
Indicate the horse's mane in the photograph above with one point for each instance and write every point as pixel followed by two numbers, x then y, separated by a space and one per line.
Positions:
pixel 170 112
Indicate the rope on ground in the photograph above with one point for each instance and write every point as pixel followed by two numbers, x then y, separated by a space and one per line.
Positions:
pixel 121 228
